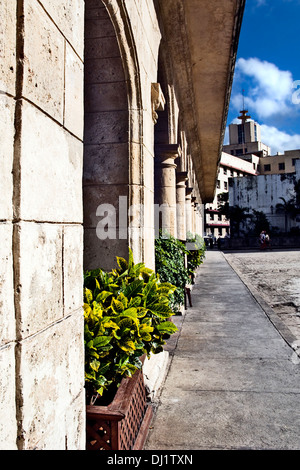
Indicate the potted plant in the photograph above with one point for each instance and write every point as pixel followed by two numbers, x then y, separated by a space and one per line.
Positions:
pixel 127 315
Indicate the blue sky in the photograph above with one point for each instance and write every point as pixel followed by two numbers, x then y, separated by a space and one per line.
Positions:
pixel 268 70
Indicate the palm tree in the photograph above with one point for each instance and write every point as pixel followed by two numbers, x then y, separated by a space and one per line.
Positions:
pixel 237 216
pixel 288 208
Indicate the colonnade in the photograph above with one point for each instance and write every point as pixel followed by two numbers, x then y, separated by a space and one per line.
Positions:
pixel 179 208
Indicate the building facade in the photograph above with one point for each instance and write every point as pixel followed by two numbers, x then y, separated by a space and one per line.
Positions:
pixel 264 192
pixel 249 156
pixel 280 163
pixel 112 112
pixel 245 138
pixel 216 224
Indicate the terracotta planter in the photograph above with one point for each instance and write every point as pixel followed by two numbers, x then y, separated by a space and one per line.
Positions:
pixel 124 423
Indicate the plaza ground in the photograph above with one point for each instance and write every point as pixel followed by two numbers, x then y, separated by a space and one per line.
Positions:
pixel 274 276
pixel 234 375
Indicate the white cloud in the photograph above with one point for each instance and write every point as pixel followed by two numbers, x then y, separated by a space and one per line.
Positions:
pixel 270 89
pixel 279 141
pixel 272 98
pixel 260 3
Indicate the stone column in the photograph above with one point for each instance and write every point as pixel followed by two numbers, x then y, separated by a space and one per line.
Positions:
pixel 188 211
pixel 181 178
pixel 165 188
pixel 196 217
pixel 193 200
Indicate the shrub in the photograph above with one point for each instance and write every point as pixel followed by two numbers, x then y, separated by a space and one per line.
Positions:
pixel 126 313
pixel 196 255
pixel 170 265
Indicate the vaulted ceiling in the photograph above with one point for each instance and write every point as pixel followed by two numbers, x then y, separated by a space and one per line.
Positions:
pixel 202 39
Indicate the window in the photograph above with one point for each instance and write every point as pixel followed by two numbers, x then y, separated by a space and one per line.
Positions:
pixel 225 171
pixel 241 133
pixel 267 167
pixel 294 161
pixel 225 185
pixel 211 216
pixel 218 184
pixel 281 166
pixel 219 217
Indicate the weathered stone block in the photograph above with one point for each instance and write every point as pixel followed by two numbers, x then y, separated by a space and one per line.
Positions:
pixel 73 268
pixel 68 432
pixel 104 195
pixel 8 46
pixel 39 276
pixel 7 107
pixel 106 163
pixel 68 15
pixel 50 387
pixel 74 93
pixel 106 127
pixel 8 424
pixel 99 27
pixel 7 317
pixel 103 70
pixel 44 50
pixel 95 10
pixel 51 175
pixel 106 97
pixel 148 198
pixel 75 424
pixel 148 169
pixel 148 137
pixel 102 253
pixel 101 48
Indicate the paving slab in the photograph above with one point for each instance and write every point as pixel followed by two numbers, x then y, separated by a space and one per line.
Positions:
pixel 233 382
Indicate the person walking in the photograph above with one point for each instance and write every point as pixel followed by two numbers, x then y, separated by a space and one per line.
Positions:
pixel 262 239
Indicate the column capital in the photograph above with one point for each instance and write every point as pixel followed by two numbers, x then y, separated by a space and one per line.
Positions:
pixel 166 154
pixel 181 177
pixel 188 191
pixel 157 99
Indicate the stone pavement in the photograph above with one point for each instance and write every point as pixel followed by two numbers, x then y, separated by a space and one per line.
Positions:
pixel 233 382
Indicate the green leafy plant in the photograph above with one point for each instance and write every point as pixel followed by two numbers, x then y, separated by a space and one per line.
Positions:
pixel 170 255
pixel 196 254
pixel 127 314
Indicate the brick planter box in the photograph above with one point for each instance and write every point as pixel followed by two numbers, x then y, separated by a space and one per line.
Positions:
pixel 124 423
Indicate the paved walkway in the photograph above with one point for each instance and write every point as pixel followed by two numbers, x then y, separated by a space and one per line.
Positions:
pixel 233 381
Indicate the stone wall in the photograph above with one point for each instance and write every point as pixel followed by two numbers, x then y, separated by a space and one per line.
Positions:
pixel 121 56
pixel 263 193
pixel 94 95
pixel 41 399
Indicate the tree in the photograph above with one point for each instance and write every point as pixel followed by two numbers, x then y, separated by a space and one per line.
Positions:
pixel 235 214
pixel 260 222
pixel 288 208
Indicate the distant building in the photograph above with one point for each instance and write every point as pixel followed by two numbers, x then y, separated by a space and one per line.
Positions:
pixel 246 155
pixel 263 193
pixel 245 138
pixel 280 163
pixel 215 223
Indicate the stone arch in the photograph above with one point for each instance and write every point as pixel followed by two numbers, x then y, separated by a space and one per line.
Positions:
pixel 167 149
pixel 113 174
